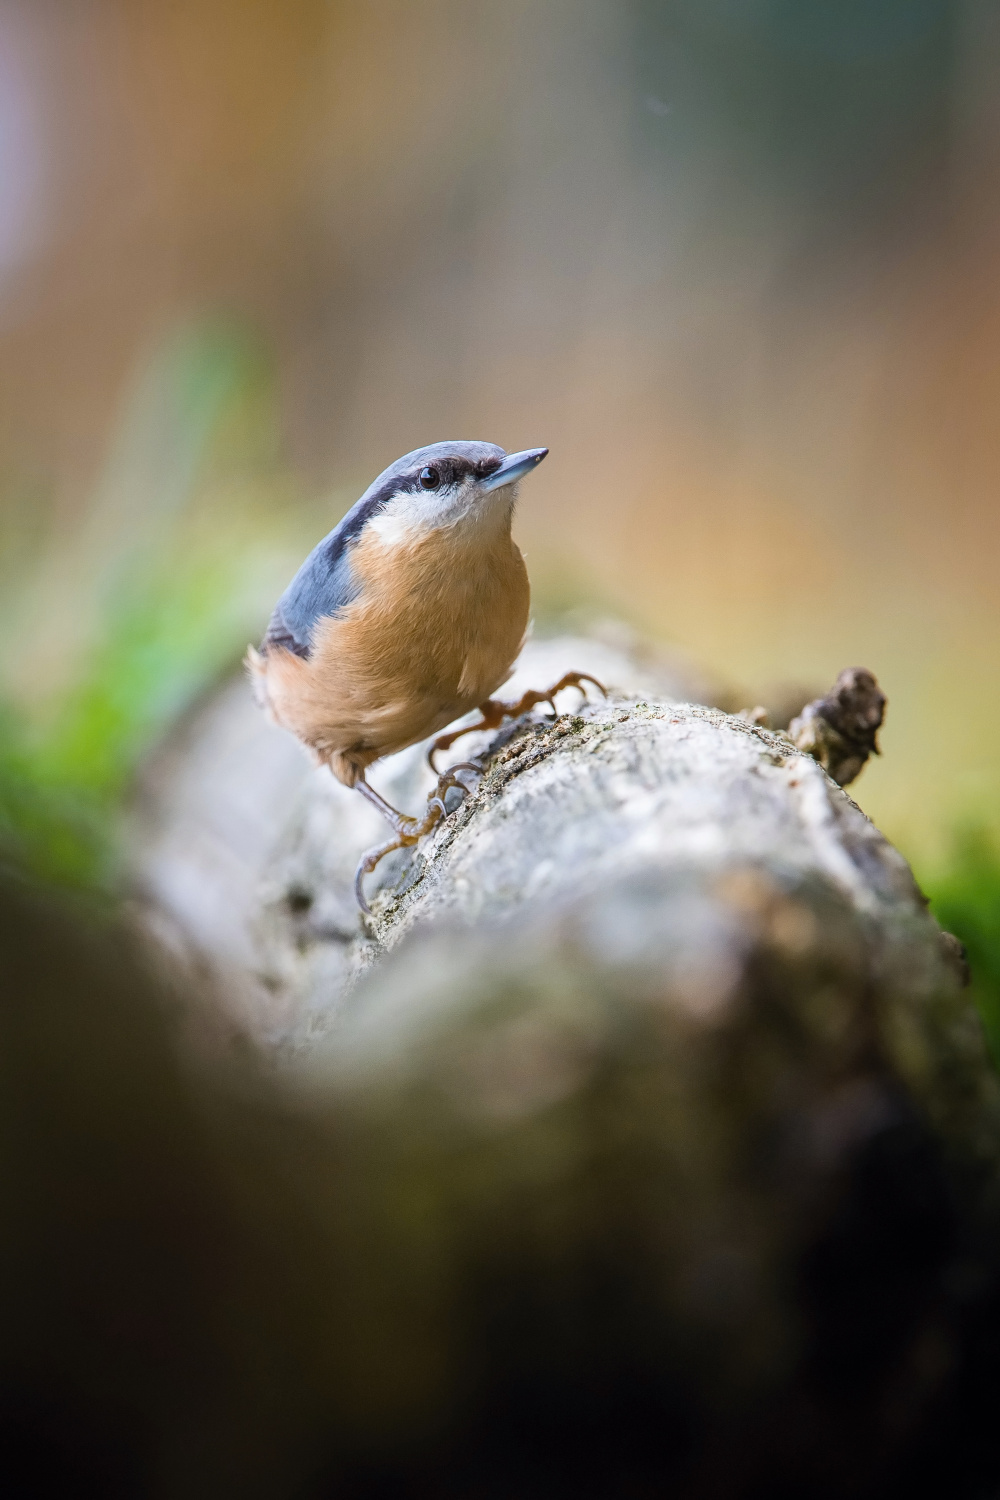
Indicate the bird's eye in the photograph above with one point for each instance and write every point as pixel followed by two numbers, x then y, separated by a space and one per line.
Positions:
pixel 430 478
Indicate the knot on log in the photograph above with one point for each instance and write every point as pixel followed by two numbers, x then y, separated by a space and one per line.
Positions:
pixel 839 729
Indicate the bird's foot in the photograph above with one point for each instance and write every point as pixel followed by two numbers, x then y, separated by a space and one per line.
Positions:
pixel 408 830
pixel 494 711
pixel 448 779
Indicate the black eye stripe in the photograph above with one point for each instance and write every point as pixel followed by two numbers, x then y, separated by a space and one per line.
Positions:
pixel 449 471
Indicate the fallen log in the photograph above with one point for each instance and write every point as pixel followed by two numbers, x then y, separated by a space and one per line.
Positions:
pixel 643 1142
pixel 566 807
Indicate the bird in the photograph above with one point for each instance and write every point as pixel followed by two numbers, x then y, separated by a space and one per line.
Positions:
pixel 405 618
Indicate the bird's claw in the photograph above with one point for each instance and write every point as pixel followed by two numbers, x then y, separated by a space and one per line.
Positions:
pixel 494 712
pixel 410 830
pixel 366 865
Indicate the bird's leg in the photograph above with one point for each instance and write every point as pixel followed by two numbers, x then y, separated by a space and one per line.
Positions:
pixel 397 820
pixel 494 711
pixel 408 830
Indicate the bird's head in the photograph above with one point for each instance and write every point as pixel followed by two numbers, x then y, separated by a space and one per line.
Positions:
pixel 446 484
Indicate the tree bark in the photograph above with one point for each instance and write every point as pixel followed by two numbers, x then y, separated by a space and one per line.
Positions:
pixel 566 812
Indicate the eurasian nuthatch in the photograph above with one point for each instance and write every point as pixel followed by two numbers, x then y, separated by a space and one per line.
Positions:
pixel 407 616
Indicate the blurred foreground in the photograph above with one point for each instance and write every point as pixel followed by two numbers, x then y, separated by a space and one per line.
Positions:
pixel 579 1215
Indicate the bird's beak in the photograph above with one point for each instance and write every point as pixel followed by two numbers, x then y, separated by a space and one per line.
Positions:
pixel 513 468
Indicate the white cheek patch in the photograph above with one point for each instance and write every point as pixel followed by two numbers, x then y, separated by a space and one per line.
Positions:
pixel 394 529
pixel 408 517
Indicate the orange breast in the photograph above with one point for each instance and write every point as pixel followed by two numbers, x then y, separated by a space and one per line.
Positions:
pixel 434 632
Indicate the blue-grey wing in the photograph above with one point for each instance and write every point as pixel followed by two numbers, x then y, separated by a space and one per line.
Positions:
pixel 323 585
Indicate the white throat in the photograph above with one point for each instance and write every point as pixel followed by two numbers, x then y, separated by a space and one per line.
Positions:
pixel 408 517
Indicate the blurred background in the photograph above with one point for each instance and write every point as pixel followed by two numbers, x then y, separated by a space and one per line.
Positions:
pixel 735 261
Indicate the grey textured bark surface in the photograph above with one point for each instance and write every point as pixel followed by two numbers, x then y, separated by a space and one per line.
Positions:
pixel 568 810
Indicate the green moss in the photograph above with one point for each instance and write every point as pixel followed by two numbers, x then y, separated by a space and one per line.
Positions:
pixel 965 898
